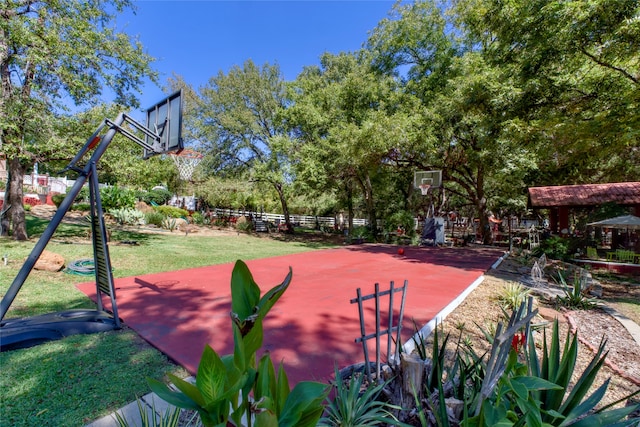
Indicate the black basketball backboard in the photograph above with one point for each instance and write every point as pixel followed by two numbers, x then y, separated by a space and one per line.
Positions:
pixel 165 119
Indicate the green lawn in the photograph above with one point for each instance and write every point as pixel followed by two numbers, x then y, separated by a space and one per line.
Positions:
pixel 78 379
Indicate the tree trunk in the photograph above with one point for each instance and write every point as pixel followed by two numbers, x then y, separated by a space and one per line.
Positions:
pixel 350 207
pixel 5 222
pixel 285 208
pixel 481 206
pixel 371 208
pixel 413 370
pixel 16 215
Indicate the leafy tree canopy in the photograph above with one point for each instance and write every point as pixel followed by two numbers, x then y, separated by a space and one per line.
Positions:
pixel 52 52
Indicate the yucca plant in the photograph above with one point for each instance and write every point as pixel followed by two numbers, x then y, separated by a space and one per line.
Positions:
pixel 574 297
pixel 149 417
pixel 512 295
pixel 352 406
pixel 561 407
pixel 169 223
pixel 127 216
pixel 438 354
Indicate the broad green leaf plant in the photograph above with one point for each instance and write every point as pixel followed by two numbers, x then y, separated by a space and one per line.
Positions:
pixel 238 389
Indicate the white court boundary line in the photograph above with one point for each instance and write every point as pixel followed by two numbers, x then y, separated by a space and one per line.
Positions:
pixel 409 346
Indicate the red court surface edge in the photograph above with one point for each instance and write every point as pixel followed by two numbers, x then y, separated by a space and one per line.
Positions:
pixel 313 326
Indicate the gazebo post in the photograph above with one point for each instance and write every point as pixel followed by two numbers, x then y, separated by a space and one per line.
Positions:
pixel 563 219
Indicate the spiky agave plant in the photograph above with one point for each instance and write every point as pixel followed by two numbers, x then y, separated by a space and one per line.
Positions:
pixel 352 406
pixel 575 407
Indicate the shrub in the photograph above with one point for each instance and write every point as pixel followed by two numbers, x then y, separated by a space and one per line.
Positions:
pixel 221 221
pixel 554 247
pixel 158 196
pixel 117 198
pixel 81 207
pixel 402 219
pixel 244 226
pixel 200 219
pixel 83 195
pixel 57 199
pixel 127 216
pixel 361 234
pixel 171 211
pixel 154 218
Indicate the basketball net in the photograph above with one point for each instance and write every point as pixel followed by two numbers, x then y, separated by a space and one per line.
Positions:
pixel 186 162
pixel 424 189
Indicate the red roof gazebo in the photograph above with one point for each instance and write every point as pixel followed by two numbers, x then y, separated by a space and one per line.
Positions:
pixel 559 199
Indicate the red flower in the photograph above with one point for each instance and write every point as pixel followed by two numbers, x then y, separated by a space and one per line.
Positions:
pixel 518 341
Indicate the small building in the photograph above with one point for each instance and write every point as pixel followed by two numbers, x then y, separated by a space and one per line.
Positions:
pixel 560 199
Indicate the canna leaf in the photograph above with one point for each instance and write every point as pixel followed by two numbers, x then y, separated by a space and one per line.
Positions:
pixel 303 406
pixel 176 398
pixel 273 295
pixel 282 389
pixel 266 379
pixel 266 419
pixel 211 376
pixel 245 293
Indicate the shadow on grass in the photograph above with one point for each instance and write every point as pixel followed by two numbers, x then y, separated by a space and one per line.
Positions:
pixel 75 380
pixel 38 308
pixel 310 239
pixel 127 236
pixel 37 226
pixel 81 231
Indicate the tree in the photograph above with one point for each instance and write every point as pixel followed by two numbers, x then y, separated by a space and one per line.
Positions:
pixel 462 97
pixel 416 45
pixel 483 153
pixel 52 51
pixel 350 122
pixel 577 66
pixel 239 121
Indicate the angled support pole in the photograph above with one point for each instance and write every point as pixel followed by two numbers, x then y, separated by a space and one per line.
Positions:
pixel 46 236
pixel 28 331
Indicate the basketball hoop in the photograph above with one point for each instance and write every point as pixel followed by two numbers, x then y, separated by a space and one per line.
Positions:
pixel 186 162
pixel 426 180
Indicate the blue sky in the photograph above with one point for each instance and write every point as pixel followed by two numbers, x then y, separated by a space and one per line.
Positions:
pixel 197 39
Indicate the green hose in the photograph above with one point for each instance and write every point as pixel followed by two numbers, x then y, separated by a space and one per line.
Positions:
pixel 82 267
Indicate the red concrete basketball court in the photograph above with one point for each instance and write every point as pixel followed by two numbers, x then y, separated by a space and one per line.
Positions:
pixel 313 326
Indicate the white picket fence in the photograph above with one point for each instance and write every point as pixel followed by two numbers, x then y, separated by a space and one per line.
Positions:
pixel 301 220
